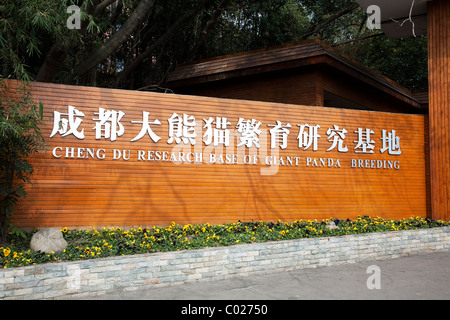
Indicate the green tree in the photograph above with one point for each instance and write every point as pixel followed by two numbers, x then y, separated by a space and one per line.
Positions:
pixel 20 44
pixel 403 60
pixel 136 43
pixel 131 43
pixel 27 30
pixel 19 137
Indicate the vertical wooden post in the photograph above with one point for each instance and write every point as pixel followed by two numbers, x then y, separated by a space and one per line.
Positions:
pixel 439 110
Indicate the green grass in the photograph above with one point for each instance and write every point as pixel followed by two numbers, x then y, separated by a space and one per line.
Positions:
pixel 108 242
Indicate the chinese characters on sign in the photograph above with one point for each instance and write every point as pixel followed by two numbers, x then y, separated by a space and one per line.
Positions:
pixel 108 125
pixel 219 131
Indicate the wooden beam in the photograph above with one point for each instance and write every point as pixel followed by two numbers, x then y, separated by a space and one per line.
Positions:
pixel 439 110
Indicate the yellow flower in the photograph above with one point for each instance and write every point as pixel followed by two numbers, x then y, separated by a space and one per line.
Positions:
pixel 64 230
pixel 6 252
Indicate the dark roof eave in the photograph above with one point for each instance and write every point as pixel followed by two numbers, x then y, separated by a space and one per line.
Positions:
pixel 317 53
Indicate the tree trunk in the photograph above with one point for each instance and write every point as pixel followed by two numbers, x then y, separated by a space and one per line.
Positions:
pixel 208 26
pixel 52 63
pixel 162 40
pixel 116 39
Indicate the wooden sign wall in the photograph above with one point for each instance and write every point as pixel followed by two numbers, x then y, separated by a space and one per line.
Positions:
pixel 117 158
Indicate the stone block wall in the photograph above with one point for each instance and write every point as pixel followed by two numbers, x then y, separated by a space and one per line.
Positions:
pixel 96 277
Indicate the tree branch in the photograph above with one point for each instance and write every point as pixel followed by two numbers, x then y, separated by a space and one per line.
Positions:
pixel 207 27
pixel 115 40
pixel 58 52
pixel 101 6
pixel 359 39
pixel 315 28
pixel 116 13
pixel 164 38
pixel 52 63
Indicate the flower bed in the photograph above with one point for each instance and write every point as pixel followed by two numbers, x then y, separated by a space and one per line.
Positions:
pixel 107 242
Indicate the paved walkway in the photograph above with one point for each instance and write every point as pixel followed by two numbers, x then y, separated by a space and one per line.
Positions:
pixel 419 277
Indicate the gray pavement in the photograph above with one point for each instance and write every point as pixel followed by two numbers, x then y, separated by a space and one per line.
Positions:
pixel 418 277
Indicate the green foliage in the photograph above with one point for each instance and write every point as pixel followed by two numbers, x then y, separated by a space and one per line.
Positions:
pixel 31 32
pixel 107 242
pixel 27 28
pixel 19 138
pixel 249 25
pixel 403 60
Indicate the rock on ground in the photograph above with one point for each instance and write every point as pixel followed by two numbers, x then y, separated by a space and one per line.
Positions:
pixel 48 240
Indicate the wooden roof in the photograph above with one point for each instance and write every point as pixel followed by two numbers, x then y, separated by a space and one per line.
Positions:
pixel 296 55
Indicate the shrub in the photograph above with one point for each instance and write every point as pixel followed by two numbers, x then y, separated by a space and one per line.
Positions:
pixel 107 242
pixel 19 138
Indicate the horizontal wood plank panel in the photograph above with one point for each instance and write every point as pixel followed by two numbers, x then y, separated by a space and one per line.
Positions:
pixel 103 192
pixel 298 88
